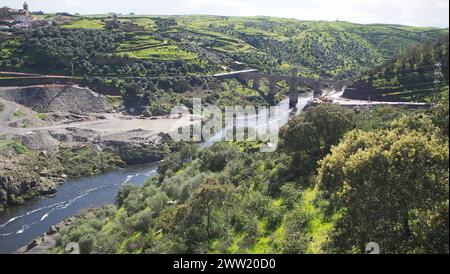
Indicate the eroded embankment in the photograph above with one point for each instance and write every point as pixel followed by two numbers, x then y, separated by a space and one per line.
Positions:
pixel 56 98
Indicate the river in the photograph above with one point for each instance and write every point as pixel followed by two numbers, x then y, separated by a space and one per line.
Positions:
pixel 20 225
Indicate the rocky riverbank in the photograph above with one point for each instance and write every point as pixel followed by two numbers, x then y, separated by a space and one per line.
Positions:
pixel 34 165
pixel 45 242
pixel 52 133
pixel 26 173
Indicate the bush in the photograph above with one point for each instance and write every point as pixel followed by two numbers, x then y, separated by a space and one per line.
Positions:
pixel 144 220
pixel 124 192
pixel 86 243
pixel 18 148
pixel 296 237
pixel 217 156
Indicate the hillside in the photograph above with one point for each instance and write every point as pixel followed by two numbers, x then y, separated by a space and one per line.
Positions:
pixel 339 177
pixel 409 76
pixel 203 44
pixel 157 62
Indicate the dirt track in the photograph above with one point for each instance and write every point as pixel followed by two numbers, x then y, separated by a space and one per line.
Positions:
pixel 111 124
pixel 102 123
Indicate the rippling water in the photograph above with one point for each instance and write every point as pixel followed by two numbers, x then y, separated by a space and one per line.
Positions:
pixel 20 225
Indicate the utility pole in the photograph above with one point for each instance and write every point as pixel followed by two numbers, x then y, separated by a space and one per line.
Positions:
pixel 72 74
pixel 437 80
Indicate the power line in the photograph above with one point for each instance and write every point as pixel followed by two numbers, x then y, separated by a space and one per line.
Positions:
pixel 395 72
pixel 437 79
pixel 405 77
pixel 412 85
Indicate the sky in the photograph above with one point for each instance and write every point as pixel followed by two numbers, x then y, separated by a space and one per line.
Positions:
pixel 424 13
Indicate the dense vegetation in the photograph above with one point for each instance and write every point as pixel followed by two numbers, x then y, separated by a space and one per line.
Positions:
pixel 147 58
pixel 204 44
pixel 340 178
pixel 410 76
pixel 373 175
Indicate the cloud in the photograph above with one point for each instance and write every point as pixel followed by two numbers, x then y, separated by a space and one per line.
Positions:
pixel 229 7
pixel 73 3
pixel 407 12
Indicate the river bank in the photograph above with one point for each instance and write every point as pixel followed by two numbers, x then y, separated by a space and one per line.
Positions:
pixel 83 197
pixel 51 134
pixel 20 225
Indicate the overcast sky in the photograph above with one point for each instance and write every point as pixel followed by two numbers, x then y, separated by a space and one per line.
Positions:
pixel 433 13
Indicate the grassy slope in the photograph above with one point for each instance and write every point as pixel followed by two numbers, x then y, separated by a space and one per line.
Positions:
pixel 333 48
pixel 318 48
pixel 409 76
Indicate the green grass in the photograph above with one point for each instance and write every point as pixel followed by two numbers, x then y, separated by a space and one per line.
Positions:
pixel 19 113
pixel 114 101
pixel 319 225
pixel 148 23
pixel 138 42
pixel 85 24
pixel 41 116
pixel 15 145
pixel 166 53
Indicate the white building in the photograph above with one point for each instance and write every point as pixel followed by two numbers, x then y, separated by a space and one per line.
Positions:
pixel 22 18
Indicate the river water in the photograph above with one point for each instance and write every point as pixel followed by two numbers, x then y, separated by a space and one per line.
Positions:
pixel 20 225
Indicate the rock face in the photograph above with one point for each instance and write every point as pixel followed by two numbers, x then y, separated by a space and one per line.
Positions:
pixel 57 99
pixel 133 147
pixel 40 140
pixel 137 149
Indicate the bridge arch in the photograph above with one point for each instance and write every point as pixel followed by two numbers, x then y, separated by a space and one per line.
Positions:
pixel 256 78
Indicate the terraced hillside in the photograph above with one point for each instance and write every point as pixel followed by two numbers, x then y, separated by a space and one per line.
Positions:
pixel 212 43
pixel 416 74
pixel 159 61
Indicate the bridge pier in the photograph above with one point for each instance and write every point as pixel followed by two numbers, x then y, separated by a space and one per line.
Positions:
pixel 293 98
pixel 293 92
pixel 272 88
pixel 317 89
pixel 244 76
pixel 256 83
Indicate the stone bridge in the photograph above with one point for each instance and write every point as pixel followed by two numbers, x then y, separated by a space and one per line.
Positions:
pixel 293 80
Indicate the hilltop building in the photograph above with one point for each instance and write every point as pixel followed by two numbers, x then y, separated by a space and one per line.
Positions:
pixel 112 24
pixel 20 16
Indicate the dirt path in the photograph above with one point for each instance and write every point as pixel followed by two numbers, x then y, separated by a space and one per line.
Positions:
pixel 110 124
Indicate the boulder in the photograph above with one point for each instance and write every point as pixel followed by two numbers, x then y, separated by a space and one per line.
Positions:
pixel 52 230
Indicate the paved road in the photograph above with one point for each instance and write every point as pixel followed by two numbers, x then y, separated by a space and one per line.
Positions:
pixel 336 97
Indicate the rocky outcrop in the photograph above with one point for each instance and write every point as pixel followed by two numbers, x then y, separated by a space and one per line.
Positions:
pixel 137 150
pixel 133 147
pixel 44 243
pixel 17 184
pixel 41 141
